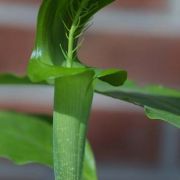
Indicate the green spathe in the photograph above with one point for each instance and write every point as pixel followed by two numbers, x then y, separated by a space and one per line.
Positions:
pixel 72 104
pixel 55 20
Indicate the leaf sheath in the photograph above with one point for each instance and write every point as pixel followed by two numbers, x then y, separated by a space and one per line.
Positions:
pixel 73 98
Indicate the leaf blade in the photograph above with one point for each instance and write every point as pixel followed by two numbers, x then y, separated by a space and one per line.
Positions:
pixel 28 139
pixel 156 99
pixel 89 167
pixel 13 79
pixel 165 116
pixel 25 139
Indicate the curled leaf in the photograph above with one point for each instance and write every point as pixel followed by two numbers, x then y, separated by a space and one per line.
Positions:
pixel 114 77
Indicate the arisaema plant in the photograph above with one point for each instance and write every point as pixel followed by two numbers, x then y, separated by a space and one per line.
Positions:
pixel 61 144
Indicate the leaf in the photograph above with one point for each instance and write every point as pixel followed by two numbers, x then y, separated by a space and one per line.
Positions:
pixel 12 79
pixel 28 139
pixel 159 102
pixel 25 139
pixel 115 77
pixel 89 169
pixel 166 116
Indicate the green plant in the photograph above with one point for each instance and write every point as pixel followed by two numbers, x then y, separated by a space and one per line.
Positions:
pixel 55 61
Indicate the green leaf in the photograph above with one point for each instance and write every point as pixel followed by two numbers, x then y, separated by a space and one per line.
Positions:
pixel 114 77
pixel 159 102
pixel 89 169
pixel 12 79
pixel 25 139
pixel 166 116
pixel 28 139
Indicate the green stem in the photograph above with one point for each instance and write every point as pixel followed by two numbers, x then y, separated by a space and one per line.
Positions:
pixel 73 98
pixel 72 32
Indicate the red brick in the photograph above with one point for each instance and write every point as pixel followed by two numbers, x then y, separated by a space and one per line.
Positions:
pixel 15 49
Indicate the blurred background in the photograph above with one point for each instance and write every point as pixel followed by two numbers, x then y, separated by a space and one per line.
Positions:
pixel 141 36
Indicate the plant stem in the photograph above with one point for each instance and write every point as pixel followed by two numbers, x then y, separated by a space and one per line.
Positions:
pixel 73 98
pixel 72 32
